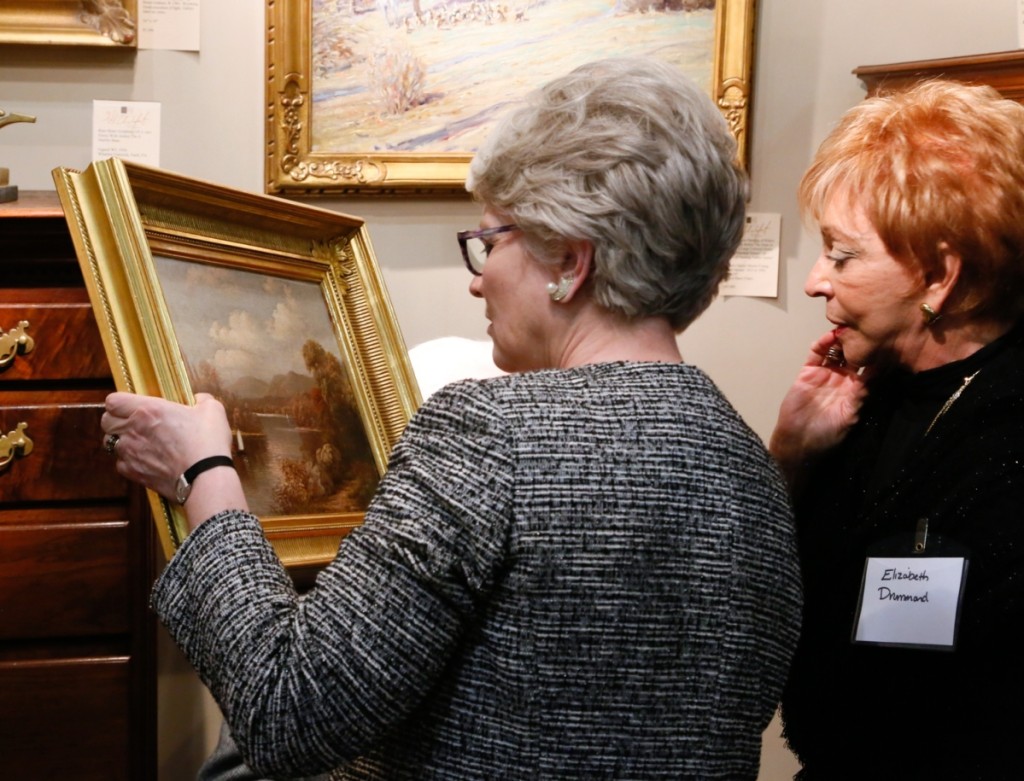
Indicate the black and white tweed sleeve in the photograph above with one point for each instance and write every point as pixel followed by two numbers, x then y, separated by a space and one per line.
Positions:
pixel 309 682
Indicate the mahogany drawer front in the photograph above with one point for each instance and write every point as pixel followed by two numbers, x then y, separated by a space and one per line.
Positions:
pixel 67 460
pixel 33 238
pixel 66 342
pixel 77 656
pixel 65 719
pixel 64 580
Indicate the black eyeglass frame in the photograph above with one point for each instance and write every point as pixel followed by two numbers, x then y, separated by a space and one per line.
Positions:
pixel 465 236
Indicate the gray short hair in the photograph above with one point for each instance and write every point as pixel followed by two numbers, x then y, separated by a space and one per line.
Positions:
pixel 633 156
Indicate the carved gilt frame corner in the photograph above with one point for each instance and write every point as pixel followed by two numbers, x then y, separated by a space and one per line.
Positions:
pixel 69 23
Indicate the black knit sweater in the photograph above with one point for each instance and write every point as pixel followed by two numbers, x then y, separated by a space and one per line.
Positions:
pixel 855 711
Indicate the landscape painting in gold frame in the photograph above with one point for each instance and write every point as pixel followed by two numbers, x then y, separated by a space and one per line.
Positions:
pixel 394 96
pixel 276 308
pixel 70 22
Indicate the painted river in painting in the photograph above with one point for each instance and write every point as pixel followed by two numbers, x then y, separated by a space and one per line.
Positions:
pixel 263 454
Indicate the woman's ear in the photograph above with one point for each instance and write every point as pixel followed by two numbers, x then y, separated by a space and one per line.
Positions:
pixel 940 283
pixel 577 264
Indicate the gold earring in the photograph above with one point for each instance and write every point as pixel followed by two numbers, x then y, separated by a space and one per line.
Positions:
pixel 930 315
pixel 561 290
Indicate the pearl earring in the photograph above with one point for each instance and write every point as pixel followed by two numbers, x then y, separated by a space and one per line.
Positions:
pixel 561 290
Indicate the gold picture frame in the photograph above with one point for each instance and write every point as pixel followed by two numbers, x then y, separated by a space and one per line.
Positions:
pixel 199 287
pixel 70 22
pixel 320 126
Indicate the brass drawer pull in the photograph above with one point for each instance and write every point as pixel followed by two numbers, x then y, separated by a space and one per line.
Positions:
pixel 14 343
pixel 14 444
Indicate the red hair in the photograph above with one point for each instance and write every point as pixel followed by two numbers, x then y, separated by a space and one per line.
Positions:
pixel 938 168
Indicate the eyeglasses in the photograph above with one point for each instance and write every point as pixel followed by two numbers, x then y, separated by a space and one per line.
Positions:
pixel 475 250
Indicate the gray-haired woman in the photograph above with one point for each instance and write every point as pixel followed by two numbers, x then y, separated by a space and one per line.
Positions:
pixel 583 569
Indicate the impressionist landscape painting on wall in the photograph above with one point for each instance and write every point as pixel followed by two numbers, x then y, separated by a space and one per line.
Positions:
pixel 264 346
pixel 432 76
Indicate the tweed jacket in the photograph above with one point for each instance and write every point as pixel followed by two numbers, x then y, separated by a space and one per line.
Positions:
pixel 863 711
pixel 586 573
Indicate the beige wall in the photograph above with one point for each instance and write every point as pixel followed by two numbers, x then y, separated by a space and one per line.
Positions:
pixel 213 129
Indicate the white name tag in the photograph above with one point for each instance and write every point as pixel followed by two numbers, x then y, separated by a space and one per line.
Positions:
pixel 913 601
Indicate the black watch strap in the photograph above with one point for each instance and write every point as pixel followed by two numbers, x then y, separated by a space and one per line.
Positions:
pixel 204 464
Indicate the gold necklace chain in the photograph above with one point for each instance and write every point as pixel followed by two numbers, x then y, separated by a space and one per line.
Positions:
pixel 950 401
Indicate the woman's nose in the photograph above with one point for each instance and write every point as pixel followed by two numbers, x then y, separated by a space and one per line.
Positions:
pixel 817 283
pixel 474 286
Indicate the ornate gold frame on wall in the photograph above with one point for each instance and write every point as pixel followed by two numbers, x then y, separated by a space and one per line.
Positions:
pixel 70 22
pixel 293 167
pixel 120 215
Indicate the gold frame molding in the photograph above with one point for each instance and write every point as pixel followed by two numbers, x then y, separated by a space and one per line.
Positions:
pixel 120 215
pixel 69 22
pixel 293 168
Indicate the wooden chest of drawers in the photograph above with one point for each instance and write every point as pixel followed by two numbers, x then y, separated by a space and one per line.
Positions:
pixel 77 671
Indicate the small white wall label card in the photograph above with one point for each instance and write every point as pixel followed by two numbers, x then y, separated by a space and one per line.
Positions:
pixel 754 269
pixel 128 130
pixel 169 24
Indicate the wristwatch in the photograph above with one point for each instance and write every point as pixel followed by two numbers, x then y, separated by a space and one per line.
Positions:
pixel 183 486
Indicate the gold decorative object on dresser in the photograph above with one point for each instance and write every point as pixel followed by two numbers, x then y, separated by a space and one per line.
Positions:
pixel 8 191
pixel 77 670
